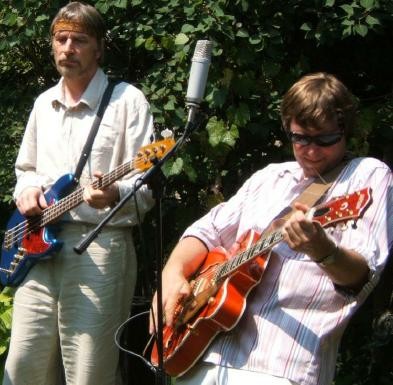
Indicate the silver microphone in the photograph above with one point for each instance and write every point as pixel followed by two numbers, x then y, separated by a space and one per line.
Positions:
pixel 198 74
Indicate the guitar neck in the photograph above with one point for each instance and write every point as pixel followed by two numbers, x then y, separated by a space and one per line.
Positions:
pixel 72 200
pixel 337 210
pixel 258 248
pixel 143 160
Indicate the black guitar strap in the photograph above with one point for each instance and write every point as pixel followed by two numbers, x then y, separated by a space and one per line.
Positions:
pixel 94 128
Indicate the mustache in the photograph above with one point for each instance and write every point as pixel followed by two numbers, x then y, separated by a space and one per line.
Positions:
pixel 68 61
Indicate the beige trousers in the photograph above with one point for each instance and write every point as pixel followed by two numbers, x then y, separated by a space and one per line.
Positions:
pixel 67 310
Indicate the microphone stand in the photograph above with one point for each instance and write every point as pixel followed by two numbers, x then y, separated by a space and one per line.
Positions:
pixel 155 178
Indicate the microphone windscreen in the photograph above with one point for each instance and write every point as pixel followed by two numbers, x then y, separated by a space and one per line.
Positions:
pixel 199 71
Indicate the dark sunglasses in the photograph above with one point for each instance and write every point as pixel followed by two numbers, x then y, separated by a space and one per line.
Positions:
pixel 324 140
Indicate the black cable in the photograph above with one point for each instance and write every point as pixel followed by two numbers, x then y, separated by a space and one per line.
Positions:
pixel 118 343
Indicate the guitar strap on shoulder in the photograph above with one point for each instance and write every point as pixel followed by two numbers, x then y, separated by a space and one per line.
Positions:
pixel 93 131
pixel 316 190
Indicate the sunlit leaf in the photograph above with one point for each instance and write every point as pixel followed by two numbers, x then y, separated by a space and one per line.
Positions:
pixel 181 39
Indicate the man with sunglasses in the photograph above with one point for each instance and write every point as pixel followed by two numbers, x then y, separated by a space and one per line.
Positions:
pixel 315 280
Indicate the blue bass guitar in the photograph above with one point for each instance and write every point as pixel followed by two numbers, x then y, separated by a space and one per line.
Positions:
pixel 27 240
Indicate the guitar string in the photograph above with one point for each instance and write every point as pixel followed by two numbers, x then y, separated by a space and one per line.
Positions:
pixel 259 247
pixel 273 238
pixel 19 231
pixel 51 212
pixel 214 275
pixel 245 256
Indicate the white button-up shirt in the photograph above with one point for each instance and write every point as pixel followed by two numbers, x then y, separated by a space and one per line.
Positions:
pixel 56 134
pixel 295 316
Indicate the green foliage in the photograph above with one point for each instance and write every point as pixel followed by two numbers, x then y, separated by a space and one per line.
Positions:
pixel 5 324
pixel 260 47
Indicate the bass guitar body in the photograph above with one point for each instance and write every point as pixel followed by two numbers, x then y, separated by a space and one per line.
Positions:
pixel 30 239
pixel 218 308
pixel 31 243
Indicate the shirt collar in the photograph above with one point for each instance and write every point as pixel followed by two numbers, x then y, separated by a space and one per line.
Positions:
pixel 90 97
pixel 294 169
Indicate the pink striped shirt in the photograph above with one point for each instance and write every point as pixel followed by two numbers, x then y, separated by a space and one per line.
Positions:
pixel 295 317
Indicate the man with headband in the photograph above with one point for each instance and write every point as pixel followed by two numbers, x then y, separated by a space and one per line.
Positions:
pixel 68 306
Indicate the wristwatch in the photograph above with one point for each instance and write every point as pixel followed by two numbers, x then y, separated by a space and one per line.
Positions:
pixel 329 259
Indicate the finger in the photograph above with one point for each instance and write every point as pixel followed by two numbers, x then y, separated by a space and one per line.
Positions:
pixel 87 194
pixel 173 306
pixel 98 174
pixel 301 207
pixel 42 201
pixel 28 205
pixel 290 237
pixel 169 310
pixel 295 235
pixel 301 225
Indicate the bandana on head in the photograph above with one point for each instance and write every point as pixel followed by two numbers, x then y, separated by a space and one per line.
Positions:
pixel 69 25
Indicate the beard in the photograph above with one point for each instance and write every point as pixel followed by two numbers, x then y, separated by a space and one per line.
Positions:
pixel 69 68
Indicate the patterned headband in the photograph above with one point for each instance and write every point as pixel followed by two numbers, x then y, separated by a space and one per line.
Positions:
pixel 69 25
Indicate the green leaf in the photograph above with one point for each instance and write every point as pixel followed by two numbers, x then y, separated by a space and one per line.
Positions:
pixel 150 44
pixel 347 31
pixel 361 29
pixel 6 318
pixel 367 4
pixel 255 40
pixel 176 167
pixel 242 33
pixel 305 27
pixel 10 19
pixel 5 300
pixel 29 32
pixel 218 132
pixel 218 96
pixel 102 7
pixel 230 136
pixel 181 39
pixel 139 41
pixel 169 106
pixel 329 3
pixel 41 18
pixel 240 115
pixel 370 20
pixel 190 171
pixel 121 4
pixel 348 22
pixel 187 28
pixel 348 9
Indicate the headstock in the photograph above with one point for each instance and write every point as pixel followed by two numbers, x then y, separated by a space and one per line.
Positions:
pixel 146 155
pixel 342 209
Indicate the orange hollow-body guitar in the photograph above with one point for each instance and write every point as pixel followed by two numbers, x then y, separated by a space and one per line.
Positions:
pixel 221 286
